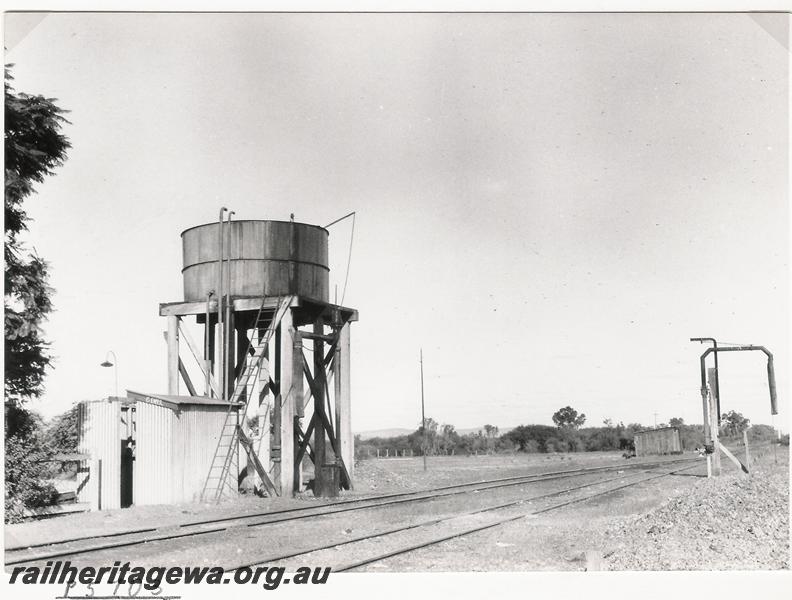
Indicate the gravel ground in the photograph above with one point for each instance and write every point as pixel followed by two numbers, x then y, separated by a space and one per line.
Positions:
pixel 114 521
pixel 569 539
pixel 736 521
pixel 230 547
pixel 372 477
pixel 683 522
pixel 678 522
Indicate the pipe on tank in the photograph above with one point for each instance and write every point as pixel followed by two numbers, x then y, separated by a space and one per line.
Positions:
pixel 227 353
pixel 221 341
pixel 207 349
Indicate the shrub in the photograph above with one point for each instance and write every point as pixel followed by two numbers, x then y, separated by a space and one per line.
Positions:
pixel 600 438
pixel 761 433
pixel 539 434
pixel 61 435
pixel 26 485
pixel 691 436
pixel 554 444
pixel 571 440
pixel 364 451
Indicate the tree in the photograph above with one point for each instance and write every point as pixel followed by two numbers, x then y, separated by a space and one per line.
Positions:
pixel 449 439
pixel 26 474
pixel 601 438
pixel 568 417
pixel 34 147
pixel 472 443
pixel 429 441
pixel 761 433
pixel 734 423
pixel 529 437
pixel 61 435
pixel 676 422
pixel 490 431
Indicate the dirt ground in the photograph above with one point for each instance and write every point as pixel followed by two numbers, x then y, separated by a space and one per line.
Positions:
pixel 733 522
pixel 737 521
pixel 401 474
pixel 683 522
pixel 372 477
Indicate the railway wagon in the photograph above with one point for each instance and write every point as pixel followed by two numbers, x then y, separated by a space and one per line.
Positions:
pixel 664 440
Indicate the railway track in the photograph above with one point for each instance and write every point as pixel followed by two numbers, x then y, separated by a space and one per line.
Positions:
pixel 436 521
pixel 400 550
pixel 457 534
pixel 90 544
pixel 653 474
pixel 469 531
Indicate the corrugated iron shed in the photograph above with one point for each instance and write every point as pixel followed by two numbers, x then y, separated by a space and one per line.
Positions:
pixel 176 440
pixel 99 426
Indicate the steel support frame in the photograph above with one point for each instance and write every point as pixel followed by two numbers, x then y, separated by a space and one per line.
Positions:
pixel 291 379
pixel 327 438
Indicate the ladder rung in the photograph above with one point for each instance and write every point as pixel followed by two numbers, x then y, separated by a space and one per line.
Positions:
pixel 226 456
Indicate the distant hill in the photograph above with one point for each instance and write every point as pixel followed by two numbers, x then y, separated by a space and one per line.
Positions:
pixel 383 433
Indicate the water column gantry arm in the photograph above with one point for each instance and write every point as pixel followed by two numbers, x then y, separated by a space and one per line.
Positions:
pixel 717 374
pixel 770 373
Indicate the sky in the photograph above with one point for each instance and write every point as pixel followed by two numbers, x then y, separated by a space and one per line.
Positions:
pixel 549 205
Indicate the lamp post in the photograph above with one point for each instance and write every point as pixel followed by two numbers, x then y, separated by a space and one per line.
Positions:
pixel 114 363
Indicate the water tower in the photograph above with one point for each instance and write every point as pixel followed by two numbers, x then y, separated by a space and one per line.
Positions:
pixel 274 348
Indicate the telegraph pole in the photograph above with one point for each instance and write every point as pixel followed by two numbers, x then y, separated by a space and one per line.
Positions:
pixel 423 413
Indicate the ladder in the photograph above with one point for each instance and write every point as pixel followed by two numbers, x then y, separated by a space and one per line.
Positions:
pixel 225 457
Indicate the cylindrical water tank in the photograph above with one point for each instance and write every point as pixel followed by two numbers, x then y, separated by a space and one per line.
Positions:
pixel 268 258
